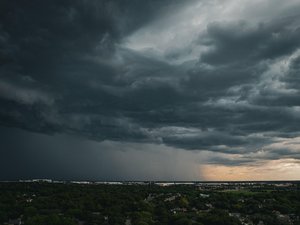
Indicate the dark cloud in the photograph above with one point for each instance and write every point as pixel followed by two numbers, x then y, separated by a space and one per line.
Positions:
pixel 66 68
pixel 216 160
pixel 242 42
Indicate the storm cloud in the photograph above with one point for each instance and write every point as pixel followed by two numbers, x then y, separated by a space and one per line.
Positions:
pixel 219 78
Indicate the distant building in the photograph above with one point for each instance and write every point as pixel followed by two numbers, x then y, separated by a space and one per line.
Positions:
pixel 204 196
pixel 164 184
pixel 172 198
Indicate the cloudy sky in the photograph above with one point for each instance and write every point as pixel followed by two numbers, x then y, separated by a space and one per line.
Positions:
pixel 150 89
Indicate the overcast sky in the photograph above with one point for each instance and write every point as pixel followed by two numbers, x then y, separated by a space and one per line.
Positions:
pixel 150 89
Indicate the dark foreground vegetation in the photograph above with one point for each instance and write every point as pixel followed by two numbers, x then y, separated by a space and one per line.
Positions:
pixel 39 203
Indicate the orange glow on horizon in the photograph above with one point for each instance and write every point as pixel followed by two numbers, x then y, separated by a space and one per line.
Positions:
pixel 283 169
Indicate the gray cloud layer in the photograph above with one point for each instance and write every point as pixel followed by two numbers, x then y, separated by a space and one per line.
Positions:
pixel 120 71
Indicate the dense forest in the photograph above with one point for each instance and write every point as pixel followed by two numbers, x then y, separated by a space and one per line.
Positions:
pixel 43 203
